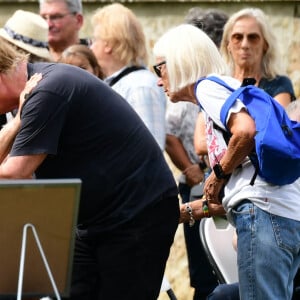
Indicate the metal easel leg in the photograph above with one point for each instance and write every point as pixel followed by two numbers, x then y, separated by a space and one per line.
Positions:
pixel 166 287
pixel 22 261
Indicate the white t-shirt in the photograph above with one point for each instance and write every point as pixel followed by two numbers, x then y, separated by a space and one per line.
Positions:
pixel 279 200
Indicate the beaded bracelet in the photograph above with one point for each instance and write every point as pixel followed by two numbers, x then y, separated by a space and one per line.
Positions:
pixel 205 209
pixel 189 210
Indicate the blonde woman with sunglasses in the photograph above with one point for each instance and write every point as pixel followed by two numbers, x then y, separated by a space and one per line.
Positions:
pixel 249 46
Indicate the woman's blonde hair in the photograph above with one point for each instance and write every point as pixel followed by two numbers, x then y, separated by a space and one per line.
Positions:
pixel 271 62
pixel 190 55
pixel 9 56
pixel 121 29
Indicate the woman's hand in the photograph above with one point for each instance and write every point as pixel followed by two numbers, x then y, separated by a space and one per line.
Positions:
pixel 30 85
pixel 213 188
pixel 193 175
pixel 194 211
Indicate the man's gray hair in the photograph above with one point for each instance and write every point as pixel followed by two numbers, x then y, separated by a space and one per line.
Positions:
pixel 211 21
pixel 74 6
pixel 293 110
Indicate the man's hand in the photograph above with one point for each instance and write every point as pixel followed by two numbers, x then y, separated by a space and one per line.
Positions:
pixel 193 175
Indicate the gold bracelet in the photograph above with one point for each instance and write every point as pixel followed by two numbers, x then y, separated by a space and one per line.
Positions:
pixel 189 210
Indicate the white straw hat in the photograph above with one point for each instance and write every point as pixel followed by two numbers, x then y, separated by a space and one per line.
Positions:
pixel 28 31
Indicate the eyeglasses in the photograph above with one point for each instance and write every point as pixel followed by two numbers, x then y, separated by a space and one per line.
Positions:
pixel 157 68
pixel 252 38
pixel 57 17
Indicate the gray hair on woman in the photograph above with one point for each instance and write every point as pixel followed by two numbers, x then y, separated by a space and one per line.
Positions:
pixel 211 21
pixel 190 54
pixel 271 63
pixel 293 110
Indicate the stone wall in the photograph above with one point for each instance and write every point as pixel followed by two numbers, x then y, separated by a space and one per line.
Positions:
pixel 158 16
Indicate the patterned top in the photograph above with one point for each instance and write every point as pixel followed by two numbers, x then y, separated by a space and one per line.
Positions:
pixel 181 119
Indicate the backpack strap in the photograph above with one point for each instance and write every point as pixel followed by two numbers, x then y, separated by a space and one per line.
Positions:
pixel 233 97
pixel 221 82
pixel 229 103
pixel 124 73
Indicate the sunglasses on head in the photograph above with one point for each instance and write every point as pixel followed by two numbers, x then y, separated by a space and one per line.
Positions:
pixel 157 68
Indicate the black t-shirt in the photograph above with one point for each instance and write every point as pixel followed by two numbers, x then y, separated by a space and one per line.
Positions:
pixel 90 132
pixel 277 85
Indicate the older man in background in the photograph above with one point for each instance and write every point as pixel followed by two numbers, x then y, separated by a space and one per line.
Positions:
pixel 65 20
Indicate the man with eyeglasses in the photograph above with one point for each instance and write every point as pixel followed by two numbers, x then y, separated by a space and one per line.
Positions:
pixel 65 19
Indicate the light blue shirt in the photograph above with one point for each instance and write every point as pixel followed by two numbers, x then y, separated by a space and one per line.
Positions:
pixel 140 90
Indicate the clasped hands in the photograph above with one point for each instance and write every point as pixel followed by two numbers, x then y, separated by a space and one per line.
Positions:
pixel 213 194
pixel 213 189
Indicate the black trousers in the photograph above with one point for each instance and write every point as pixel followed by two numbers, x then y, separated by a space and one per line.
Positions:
pixel 127 263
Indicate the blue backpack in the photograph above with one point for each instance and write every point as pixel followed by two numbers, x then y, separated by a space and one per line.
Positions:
pixel 277 141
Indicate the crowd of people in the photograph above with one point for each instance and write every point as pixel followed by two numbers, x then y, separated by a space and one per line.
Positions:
pixel 93 109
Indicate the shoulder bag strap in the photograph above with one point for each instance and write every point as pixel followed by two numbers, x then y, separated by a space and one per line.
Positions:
pixel 125 72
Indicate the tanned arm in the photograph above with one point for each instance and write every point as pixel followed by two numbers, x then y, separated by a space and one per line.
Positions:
pixel 241 143
pixel 7 136
pixel 10 130
pixel 175 149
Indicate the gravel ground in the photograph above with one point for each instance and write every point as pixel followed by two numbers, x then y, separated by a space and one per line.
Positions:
pixel 177 269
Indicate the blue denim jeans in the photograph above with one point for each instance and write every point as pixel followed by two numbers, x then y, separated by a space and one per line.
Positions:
pixel 225 292
pixel 268 253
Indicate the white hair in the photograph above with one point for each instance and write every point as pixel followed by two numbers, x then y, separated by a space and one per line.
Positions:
pixel 293 110
pixel 190 54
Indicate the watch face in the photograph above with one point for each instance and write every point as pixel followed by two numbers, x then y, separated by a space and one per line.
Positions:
pixel 219 172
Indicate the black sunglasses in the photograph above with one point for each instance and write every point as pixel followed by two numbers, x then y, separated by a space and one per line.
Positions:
pixel 157 68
